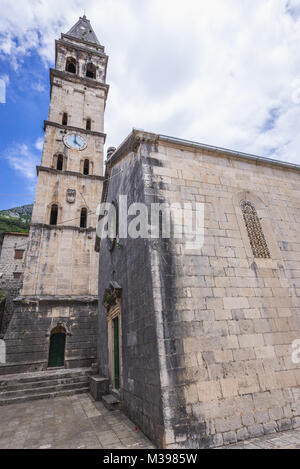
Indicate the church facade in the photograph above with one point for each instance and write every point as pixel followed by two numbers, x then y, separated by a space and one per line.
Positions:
pixel 55 317
pixel 204 355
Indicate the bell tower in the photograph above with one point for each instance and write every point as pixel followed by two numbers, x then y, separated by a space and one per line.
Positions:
pixel 60 285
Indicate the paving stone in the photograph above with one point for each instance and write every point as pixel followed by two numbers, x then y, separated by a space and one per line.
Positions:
pixel 72 422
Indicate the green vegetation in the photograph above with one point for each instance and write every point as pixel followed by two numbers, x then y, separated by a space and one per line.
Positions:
pixel 15 220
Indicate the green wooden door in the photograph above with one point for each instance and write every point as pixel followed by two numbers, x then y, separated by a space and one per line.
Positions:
pixel 57 350
pixel 116 353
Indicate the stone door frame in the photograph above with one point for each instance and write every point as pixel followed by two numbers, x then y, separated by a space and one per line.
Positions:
pixel 113 313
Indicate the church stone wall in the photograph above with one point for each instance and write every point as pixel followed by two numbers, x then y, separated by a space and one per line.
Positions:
pixel 129 264
pixel 28 336
pixel 221 322
pixel 230 319
pixel 61 261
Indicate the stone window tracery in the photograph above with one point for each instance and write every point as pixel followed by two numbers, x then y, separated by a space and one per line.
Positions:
pixel 256 236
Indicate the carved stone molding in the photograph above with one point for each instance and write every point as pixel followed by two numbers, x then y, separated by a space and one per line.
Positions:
pixel 111 296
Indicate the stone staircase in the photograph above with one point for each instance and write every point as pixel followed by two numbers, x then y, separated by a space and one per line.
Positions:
pixel 43 385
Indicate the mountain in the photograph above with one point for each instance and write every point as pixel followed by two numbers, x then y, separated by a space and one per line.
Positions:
pixel 15 219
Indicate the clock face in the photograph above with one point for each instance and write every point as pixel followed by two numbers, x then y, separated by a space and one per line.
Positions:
pixel 75 141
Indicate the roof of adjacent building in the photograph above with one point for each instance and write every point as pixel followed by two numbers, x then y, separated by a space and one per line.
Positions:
pixel 139 136
pixel 83 30
pixel 11 233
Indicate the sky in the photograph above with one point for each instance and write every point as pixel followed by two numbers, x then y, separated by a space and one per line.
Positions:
pixel 220 72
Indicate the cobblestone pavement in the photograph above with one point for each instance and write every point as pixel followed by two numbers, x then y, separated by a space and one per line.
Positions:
pixel 67 423
pixel 284 440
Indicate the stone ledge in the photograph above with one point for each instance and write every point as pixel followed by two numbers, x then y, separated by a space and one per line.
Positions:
pixel 64 227
pixel 53 299
pixel 68 173
pixel 71 128
pixel 88 82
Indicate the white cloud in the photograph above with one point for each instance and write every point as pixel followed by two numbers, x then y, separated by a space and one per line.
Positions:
pixel 39 87
pixel 39 144
pixel 23 159
pixel 4 82
pixel 218 72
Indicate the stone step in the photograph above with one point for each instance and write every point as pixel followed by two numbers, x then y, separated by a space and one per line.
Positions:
pixel 17 400
pixel 43 390
pixel 111 402
pixel 42 383
pixel 43 375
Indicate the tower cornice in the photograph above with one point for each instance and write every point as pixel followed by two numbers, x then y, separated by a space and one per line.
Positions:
pixel 88 82
pixel 69 173
pixel 80 46
pixel 70 128
pixel 79 41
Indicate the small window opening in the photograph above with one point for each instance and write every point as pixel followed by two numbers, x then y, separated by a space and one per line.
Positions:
pixel 65 119
pixel 86 167
pixel 83 218
pixel 60 163
pixel 88 124
pixel 54 215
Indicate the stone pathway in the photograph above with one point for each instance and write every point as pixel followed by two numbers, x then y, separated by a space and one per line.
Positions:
pixel 284 440
pixel 67 423
pixel 79 422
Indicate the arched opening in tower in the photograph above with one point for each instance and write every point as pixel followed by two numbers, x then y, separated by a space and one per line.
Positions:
pixel 91 71
pixel 83 218
pixel 60 163
pixel 71 65
pixel 54 215
pixel 86 167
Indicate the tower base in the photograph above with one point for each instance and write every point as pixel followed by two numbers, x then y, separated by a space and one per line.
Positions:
pixel 51 332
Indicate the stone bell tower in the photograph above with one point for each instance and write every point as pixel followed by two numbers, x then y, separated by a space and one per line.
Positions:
pixel 59 295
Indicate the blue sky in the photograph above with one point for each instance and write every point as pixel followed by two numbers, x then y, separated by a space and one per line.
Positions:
pixel 221 73
pixel 27 101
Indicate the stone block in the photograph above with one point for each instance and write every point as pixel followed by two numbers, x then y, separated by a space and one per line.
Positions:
pixel 99 386
pixel 255 431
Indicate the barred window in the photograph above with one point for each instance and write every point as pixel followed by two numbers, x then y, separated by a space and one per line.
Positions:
pixel 19 253
pixel 256 236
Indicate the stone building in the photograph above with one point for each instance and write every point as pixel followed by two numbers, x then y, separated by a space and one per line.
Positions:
pixel 198 343
pixel 55 316
pixel 12 263
pixel 12 257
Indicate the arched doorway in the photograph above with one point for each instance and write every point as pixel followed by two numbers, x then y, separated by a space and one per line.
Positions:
pixel 57 347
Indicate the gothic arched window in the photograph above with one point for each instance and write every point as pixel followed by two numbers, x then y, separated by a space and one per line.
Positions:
pixel 86 167
pixel 83 218
pixel 91 71
pixel 88 124
pixel 256 236
pixel 60 163
pixel 54 215
pixel 71 65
